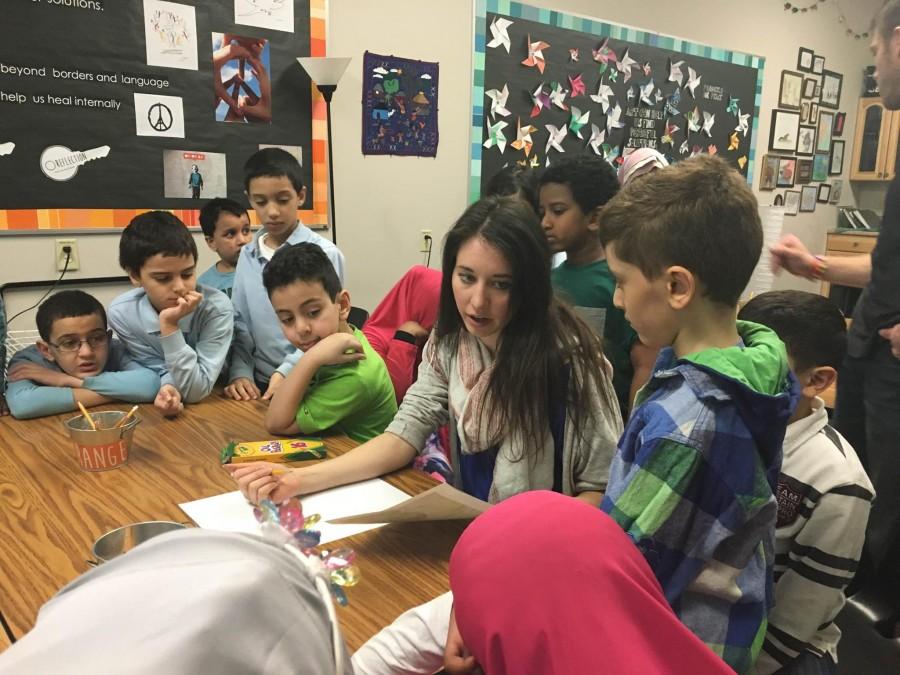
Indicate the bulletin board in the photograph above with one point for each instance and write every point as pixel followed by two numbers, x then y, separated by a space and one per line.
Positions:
pixel 548 84
pixel 151 104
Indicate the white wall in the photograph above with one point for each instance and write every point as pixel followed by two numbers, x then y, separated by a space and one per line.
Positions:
pixel 383 202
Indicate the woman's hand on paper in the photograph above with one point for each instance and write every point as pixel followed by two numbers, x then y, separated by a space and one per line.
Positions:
pixel 256 481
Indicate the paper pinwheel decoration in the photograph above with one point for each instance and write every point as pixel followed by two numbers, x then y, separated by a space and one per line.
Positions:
pixel 523 137
pixel 557 136
pixel 499 33
pixel 708 121
pixel 667 136
pixel 625 65
pixel 558 96
pixel 733 106
pixel 612 118
pixel 602 96
pixel 541 100
pixel 496 136
pixel 578 120
pixel 693 119
pixel 693 81
pixel 646 91
pixel 675 74
pixel 743 122
pixel 604 56
pixel 535 56
pixel 577 85
pixel 672 103
pixel 498 101
pixel 598 136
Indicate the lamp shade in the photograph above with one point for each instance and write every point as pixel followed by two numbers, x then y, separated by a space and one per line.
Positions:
pixel 324 70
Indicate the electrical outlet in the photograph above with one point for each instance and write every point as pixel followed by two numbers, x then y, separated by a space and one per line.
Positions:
pixel 425 242
pixel 61 245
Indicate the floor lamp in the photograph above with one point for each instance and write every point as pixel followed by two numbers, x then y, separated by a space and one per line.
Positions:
pixel 325 71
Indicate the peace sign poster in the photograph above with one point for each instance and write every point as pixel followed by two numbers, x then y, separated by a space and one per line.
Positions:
pixel 151 104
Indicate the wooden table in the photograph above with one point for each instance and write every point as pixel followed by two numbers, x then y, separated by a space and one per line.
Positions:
pixel 51 511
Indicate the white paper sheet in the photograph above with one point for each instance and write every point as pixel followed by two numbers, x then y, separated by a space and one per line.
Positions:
pixel 273 14
pixel 170 31
pixel 772 218
pixel 231 512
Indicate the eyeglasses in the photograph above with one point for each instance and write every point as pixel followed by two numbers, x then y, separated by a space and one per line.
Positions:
pixel 73 344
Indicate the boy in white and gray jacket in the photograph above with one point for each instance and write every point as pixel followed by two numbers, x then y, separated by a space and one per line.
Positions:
pixel 824 494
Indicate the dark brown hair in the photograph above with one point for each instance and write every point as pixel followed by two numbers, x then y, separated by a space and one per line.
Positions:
pixel 887 19
pixel 543 337
pixel 699 214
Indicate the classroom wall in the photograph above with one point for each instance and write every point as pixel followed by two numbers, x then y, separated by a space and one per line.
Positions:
pixel 383 202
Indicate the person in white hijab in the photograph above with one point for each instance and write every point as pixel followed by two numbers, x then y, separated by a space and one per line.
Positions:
pixel 188 602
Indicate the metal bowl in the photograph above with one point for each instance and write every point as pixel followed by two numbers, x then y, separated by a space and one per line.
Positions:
pixel 123 539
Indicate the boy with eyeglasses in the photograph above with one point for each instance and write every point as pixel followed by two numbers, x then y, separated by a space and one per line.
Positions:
pixel 75 361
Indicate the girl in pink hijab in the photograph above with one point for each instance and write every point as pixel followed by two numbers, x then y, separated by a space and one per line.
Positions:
pixel 640 162
pixel 545 584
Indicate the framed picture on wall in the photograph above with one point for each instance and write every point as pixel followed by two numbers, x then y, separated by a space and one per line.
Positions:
pixel 791 90
pixel 804 171
pixel 818 64
pixel 806 140
pixel 791 202
pixel 820 167
pixel 824 193
pixel 783 135
pixel 831 89
pixel 787 167
pixel 808 194
pixel 837 186
pixel 839 120
pixel 836 165
pixel 804 112
pixel 823 137
pixel 769 175
pixel 813 113
pixel 805 59
pixel 809 87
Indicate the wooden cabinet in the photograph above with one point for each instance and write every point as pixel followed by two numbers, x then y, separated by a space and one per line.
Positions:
pixel 875 142
pixel 837 245
pixel 840 244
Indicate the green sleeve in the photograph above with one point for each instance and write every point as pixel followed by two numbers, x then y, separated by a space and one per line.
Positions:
pixel 330 400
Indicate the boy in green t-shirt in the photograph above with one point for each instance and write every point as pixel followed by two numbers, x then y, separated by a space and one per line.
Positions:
pixel 572 193
pixel 340 383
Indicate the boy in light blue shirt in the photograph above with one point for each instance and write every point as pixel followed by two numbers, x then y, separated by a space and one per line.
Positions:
pixel 262 356
pixel 169 324
pixel 75 361
pixel 226 226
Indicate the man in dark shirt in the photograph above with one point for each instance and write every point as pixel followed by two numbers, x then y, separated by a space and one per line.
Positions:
pixel 868 401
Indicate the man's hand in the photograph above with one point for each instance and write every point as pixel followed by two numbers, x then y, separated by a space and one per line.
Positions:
pixel 892 335
pixel 792 255
pixel 336 349
pixel 168 401
pixel 242 389
pixel 42 375
pixel 274 382
pixel 169 317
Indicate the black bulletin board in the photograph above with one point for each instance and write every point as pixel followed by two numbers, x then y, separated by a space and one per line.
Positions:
pixel 724 76
pixel 101 46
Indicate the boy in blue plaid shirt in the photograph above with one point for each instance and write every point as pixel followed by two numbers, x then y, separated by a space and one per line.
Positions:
pixel 695 472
